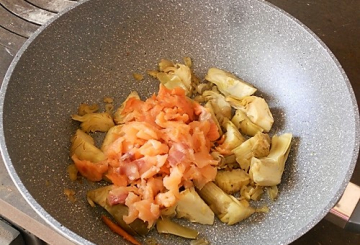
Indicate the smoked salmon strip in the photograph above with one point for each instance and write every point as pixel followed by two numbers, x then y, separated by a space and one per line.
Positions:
pixel 163 145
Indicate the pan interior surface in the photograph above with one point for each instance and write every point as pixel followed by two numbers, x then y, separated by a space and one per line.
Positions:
pixel 91 52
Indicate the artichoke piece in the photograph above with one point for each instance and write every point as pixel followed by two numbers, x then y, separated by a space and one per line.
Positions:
pixel 272 192
pixel 183 72
pixel 233 137
pixel 170 81
pixel 70 194
pixel 72 171
pixel 108 100
pixel 187 61
pixel 255 108
pixel 111 136
pixel 163 64
pixel 152 73
pixel 109 108
pixel 99 196
pixel 169 212
pixel 244 124
pixel 228 209
pixel 82 145
pixel 92 122
pixel 109 105
pixel 256 146
pixel 138 76
pixel 267 171
pixel 85 109
pixel 231 181
pixel 219 158
pixel 229 84
pixel 256 192
pixel 199 98
pixel 245 192
pixel 178 75
pixel 221 106
pixel 231 159
pixel 118 116
pixel 210 108
pixel 191 207
pixel 225 162
pixel 200 241
pixel 195 81
pixel 202 87
pixel 263 209
pixel 169 227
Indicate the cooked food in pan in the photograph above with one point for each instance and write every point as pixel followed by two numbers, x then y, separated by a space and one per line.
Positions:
pixel 197 149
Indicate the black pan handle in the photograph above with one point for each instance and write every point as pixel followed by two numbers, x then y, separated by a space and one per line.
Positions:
pixel 346 213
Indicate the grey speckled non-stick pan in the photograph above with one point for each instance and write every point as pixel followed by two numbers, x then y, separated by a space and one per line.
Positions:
pixel 91 51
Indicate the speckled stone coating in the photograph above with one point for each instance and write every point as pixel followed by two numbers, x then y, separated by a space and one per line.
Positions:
pixel 91 51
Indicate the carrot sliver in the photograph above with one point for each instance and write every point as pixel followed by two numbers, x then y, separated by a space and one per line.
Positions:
pixel 118 230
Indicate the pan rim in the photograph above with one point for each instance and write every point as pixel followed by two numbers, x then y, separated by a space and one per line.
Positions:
pixel 80 240
pixel 67 233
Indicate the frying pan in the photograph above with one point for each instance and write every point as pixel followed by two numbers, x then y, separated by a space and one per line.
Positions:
pixel 90 51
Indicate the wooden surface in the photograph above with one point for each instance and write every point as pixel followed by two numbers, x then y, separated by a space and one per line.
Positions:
pixel 337 23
